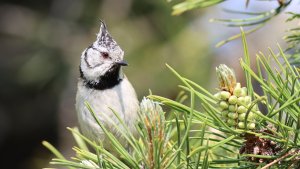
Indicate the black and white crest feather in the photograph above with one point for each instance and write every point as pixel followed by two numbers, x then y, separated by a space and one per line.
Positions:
pixel 104 38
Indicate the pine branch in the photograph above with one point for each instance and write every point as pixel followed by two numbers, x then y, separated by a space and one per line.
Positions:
pixel 257 19
pixel 281 158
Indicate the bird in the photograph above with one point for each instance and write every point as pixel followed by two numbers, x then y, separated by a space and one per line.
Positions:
pixel 103 85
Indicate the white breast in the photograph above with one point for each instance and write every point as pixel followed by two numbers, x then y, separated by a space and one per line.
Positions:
pixel 121 98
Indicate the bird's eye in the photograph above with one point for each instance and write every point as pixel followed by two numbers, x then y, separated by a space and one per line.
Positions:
pixel 104 54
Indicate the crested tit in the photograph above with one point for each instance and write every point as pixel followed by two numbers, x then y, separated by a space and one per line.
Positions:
pixel 104 86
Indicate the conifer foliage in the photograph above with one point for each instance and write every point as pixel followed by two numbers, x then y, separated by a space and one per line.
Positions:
pixel 233 127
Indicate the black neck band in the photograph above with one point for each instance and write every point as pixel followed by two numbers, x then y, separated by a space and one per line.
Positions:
pixel 107 81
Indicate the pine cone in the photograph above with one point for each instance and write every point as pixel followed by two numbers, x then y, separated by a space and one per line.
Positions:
pixel 234 101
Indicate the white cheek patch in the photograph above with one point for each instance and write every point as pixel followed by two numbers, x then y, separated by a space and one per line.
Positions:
pixel 93 58
pixel 95 73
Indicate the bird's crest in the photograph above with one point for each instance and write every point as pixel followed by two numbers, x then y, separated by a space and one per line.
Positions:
pixel 104 39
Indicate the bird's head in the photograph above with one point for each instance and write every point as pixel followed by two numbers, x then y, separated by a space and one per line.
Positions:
pixel 102 58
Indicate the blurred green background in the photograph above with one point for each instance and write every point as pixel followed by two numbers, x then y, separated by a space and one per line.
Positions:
pixel 41 43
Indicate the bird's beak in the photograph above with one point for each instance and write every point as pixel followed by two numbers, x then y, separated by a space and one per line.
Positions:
pixel 122 63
